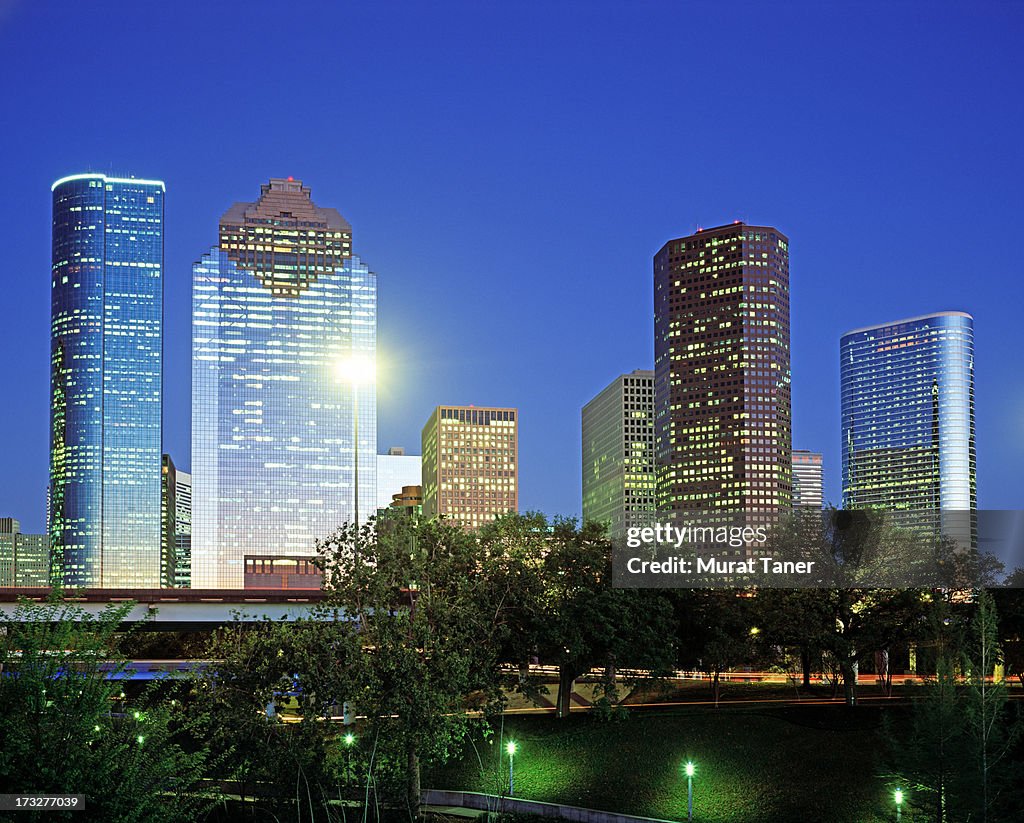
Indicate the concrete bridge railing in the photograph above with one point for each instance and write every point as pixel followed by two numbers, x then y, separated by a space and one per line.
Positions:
pixel 515 805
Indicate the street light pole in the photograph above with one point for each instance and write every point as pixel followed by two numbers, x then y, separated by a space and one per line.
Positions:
pixel 355 426
pixel 689 791
pixel 349 740
pixel 356 369
pixel 510 747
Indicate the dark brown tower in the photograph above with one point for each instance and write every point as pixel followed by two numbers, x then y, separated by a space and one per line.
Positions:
pixel 723 418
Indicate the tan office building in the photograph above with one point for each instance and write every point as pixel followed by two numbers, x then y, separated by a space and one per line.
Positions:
pixel 471 463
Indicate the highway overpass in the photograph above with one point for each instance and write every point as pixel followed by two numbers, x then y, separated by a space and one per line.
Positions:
pixel 180 609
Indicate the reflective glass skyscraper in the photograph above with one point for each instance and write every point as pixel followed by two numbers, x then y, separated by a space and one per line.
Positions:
pixel 276 306
pixel 908 414
pixel 106 381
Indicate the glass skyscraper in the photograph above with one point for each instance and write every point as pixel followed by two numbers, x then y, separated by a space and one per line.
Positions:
pixel 106 381
pixel 275 308
pixel 908 414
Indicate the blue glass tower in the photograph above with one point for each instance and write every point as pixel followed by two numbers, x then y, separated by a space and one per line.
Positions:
pixel 908 415
pixel 106 381
pixel 276 307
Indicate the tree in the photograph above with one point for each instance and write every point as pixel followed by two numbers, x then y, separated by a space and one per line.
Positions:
pixel 415 592
pixel 992 731
pixel 1009 602
pixel 261 672
pixel 514 547
pixel 799 619
pixel 585 622
pixel 714 631
pixel 862 603
pixel 68 728
pixel 957 755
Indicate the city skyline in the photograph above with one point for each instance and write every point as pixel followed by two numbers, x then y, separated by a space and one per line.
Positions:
pixel 450 199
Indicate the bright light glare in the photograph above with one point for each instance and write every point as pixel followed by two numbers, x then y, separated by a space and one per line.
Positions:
pixel 357 370
pixel 350 739
pixel 899 796
pixel 689 769
pixel 510 747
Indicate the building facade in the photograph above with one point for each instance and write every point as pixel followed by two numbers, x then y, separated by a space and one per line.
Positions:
pixel 276 307
pixel 619 471
pixel 282 573
pixel 908 415
pixel 106 373
pixel 471 464
pixel 24 558
pixel 182 530
pixel 396 470
pixel 723 420
pixel 168 520
pixel 808 479
pixel 409 500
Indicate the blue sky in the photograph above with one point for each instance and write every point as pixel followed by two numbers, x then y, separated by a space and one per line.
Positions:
pixel 510 169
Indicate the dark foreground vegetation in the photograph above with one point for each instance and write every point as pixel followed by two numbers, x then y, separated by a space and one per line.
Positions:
pixel 428 632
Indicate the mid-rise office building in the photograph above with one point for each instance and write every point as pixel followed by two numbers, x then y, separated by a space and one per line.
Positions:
pixel 723 423
pixel 182 530
pixel 168 520
pixel 24 558
pixel 619 473
pixel 106 373
pixel 396 471
pixel 808 479
pixel 908 415
pixel 277 307
pixel 9 527
pixel 471 464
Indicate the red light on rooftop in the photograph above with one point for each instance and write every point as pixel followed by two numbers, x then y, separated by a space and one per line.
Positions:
pixel 291 179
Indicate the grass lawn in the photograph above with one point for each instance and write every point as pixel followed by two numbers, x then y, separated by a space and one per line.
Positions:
pixel 813 763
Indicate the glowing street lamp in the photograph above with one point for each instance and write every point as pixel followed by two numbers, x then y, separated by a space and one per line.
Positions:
pixel 350 740
pixel 898 797
pixel 690 769
pixel 510 747
pixel 357 370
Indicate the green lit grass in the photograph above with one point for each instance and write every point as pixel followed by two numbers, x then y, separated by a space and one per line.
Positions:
pixel 786 764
